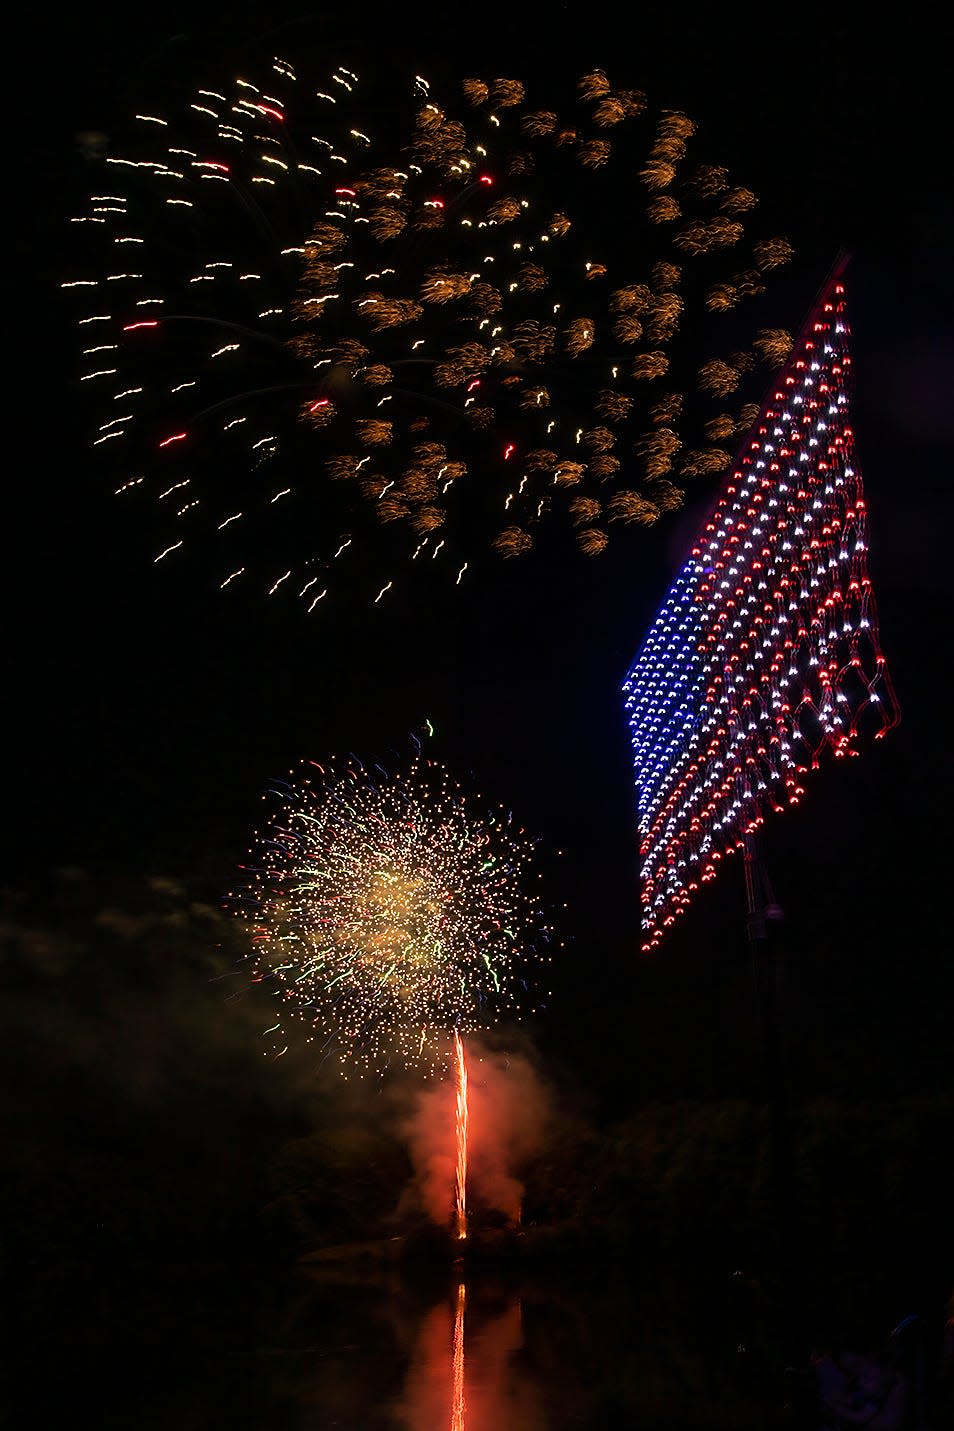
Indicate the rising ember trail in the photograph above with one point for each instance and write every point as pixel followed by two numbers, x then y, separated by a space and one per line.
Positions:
pixel 462 1113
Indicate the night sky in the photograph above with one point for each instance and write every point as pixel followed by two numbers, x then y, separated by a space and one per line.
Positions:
pixel 146 710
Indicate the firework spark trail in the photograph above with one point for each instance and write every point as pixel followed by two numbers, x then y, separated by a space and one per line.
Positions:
pixel 385 912
pixel 308 339
pixel 461 1120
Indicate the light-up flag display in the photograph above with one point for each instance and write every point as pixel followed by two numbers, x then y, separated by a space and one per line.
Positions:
pixel 765 657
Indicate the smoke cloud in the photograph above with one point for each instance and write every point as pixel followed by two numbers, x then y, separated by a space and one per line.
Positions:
pixel 510 1109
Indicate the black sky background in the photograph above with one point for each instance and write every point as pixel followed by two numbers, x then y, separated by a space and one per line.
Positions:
pixel 145 713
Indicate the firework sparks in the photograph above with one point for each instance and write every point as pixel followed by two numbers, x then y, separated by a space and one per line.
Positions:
pixel 384 914
pixel 307 338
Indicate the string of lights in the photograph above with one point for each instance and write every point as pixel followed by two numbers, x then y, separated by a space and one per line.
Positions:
pixel 765 657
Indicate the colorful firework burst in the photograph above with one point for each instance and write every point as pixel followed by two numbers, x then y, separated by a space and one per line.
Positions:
pixel 386 914
pixel 325 345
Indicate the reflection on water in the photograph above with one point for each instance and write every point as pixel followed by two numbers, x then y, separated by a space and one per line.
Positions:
pixel 464 1373
pixel 484 1355
pixel 363 1341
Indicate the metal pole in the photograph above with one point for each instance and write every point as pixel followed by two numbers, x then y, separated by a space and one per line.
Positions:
pixel 762 913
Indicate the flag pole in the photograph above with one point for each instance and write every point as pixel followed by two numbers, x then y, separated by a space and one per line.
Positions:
pixel 764 654
pixel 763 917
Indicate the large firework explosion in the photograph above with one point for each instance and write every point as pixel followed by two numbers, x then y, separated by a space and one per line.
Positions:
pixel 332 329
pixel 387 914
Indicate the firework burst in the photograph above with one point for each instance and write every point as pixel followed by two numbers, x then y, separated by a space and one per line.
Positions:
pixel 387 915
pixel 324 346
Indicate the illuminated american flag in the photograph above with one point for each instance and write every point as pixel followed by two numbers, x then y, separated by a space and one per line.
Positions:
pixel 765 655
